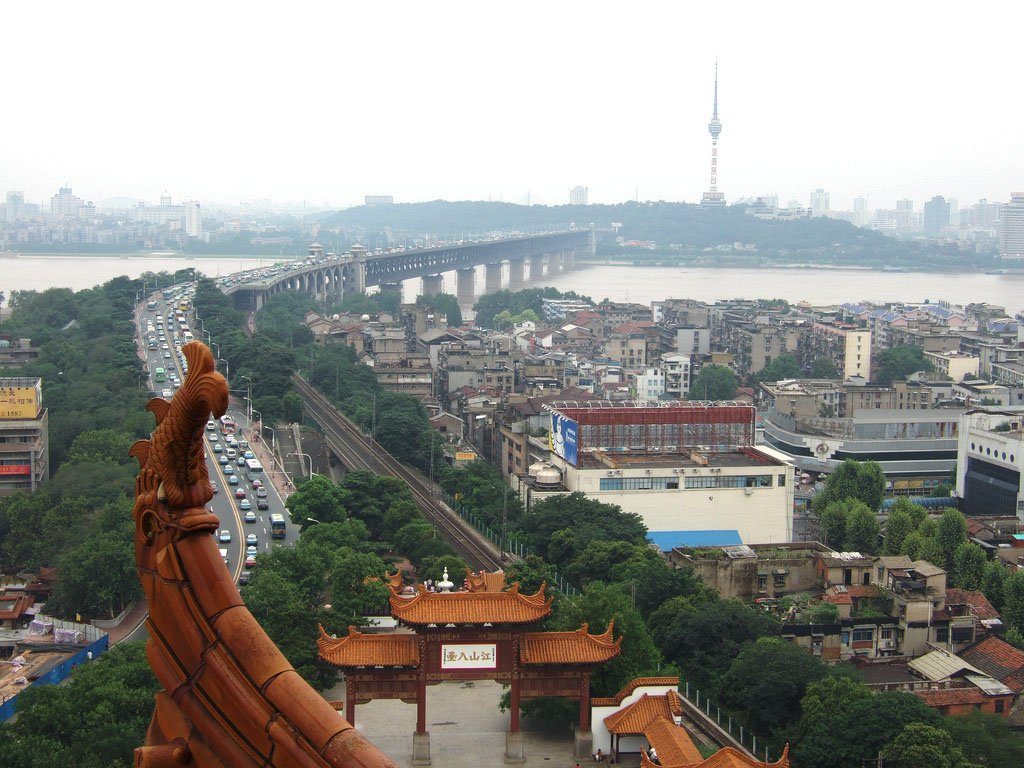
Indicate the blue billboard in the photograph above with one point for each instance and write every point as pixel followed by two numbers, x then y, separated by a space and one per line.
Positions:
pixel 564 437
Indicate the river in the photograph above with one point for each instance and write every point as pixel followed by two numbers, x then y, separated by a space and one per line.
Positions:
pixel 616 282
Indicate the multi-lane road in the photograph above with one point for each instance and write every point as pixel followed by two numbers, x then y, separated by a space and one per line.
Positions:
pixel 224 503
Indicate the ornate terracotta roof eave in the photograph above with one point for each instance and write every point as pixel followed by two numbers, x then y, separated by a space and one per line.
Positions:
pixel 470 608
pixel 631 686
pixel 229 697
pixel 356 649
pixel 578 647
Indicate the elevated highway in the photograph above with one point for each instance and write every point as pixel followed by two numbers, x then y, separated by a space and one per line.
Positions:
pixel 357 451
pixel 332 278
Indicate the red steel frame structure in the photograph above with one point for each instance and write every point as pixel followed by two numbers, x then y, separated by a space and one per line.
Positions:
pixel 671 428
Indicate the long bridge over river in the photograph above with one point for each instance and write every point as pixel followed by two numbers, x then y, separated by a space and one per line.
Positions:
pixel 333 278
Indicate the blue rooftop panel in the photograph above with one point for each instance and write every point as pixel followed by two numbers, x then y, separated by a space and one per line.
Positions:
pixel 667 540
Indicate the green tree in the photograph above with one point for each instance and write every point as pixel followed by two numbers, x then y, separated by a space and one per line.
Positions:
pixel 109 553
pixel 1013 601
pixel 826 697
pixel 714 382
pixel 291 407
pixel 782 367
pixel 993 583
pixel 456 569
pixel 317 499
pixel 767 681
pixel 561 527
pixel 869 724
pixel 445 304
pixel 969 566
pixel 896 363
pixel 924 746
pixel 530 573
pixel 898 526
pixel 823 368
pixel 986 739
pixel 951 534
pixel 862 529
pixel 93 721
pixel 832 523
pixel 864 481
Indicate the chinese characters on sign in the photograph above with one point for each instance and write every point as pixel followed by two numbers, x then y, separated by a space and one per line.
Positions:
pixel 19 402
pixel 469 656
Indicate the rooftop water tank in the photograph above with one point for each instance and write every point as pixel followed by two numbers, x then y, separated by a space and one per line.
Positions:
pixel 548 478
pixel 535 468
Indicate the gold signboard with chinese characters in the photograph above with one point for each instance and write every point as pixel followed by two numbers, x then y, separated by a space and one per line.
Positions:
pixel 469 656
pixel 19 402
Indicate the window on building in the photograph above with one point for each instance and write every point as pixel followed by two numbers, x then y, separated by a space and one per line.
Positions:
pixel 886 633
pixel 942 634
pixel 782 480
pixel 779 579
pixel 963 634
pixel 999 706
pixel 762 582
pixel 860 635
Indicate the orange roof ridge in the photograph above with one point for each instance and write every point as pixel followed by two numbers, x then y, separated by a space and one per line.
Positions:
pixel 569 647
pixel 509 607
pixel 360 650
pixel 630 687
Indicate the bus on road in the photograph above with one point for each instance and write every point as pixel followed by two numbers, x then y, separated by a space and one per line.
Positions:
pixel 277 527
pixel 160 375
pixel 253 470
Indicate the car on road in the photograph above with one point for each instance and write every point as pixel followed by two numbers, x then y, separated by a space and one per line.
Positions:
pixel 211 425
pixel 250 561
pixel 240 461
pixel 213 486
pixel 233 480
pixel 252 540
pixel 229 470
pixel 244 504
pixel 167 393
pixel 261 492
pixel 243 578
pixel 239 493
pixel 250 516
pixel 167 355
pixel 231 453
pixel 224 537
pixel 262 504
pixel 222 459
pixel 250 551
pixel 217 448
pixel 249 455
pixel 257 483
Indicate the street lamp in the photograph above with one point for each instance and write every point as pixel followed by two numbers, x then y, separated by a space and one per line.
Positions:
pixel 227 367
pixel 312 520
pixel 306 455
pixel 249 398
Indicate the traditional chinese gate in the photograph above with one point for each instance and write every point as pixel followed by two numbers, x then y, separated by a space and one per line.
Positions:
pixel 476 634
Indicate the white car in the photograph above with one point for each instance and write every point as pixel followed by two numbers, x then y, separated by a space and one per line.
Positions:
pixel 211 425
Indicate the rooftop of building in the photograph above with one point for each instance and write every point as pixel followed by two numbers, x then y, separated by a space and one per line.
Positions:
pixel 623 460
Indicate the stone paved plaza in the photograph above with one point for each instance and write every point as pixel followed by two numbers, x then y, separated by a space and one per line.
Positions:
pixel 467 729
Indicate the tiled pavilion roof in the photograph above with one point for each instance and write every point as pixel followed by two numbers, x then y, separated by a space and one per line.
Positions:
pixel 508 607
pixel 485 581
pixel 358 650
pixel 632 685
pixel 577 647
pixel 636 717
pixel 726 757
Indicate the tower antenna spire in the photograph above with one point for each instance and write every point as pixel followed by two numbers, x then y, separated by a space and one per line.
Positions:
pixel 713 196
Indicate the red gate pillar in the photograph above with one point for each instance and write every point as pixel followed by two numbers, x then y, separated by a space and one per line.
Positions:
pixel 421 738
pixel 514 702
pixel 514 738
pixel 350 701
pixel 421 703
pixel 584 737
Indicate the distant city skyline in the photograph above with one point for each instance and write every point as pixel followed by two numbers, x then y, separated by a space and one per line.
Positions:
pixel 616 99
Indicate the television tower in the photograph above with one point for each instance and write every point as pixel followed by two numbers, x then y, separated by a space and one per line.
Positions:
pixel 713 196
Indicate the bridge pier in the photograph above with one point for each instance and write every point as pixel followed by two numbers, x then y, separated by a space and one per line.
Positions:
pixel 515 274
pixel 391 287
pixel 433 285
pixel 465 279
pixel 537 267
pixel 554 262
pixel 568 260
pixel 492 278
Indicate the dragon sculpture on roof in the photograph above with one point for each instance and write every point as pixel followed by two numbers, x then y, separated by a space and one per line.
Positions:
pixel 229 697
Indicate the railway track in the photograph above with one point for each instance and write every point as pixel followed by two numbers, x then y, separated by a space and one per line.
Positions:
pixel 358 451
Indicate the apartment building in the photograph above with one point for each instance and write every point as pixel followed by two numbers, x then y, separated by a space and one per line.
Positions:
pixel 24 435
pixel 847 346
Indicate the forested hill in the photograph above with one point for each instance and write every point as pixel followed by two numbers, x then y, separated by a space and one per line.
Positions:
pixel 664 223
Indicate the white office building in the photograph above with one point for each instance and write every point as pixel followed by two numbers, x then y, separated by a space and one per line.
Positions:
pixel 193 219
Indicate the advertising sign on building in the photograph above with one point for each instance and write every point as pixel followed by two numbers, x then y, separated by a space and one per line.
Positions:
pixel 19 402
pixel 15 469
pixel 564 437
pixel 469 656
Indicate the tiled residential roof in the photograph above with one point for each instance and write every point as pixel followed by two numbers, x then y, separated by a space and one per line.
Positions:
pixel 949 696
pixel 358 650
pixel 999 659
pixel 672 742
pixel 577 647
pixel 509 607
pixel 14 605
pixel 485 581
pixel 980 606
pixel 631 686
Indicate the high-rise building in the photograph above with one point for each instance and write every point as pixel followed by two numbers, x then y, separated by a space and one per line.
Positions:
pixel 713 196
pixel 819 202
pixel 66 203
pixel 24 433
pixel 1011 228
pixel 193 219
pixel 904 214
pixel 13 204
pixel 579 196
pixel 935 216
pixel 860 211
pixel 954 212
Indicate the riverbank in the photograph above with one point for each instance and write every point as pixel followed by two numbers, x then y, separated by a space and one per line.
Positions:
pixel 801 265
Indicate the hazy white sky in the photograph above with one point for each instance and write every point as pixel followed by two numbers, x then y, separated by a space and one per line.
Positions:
pixel 473 100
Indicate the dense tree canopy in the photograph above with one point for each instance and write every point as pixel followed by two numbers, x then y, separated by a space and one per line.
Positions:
pixel 896 363
pixel 714 382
